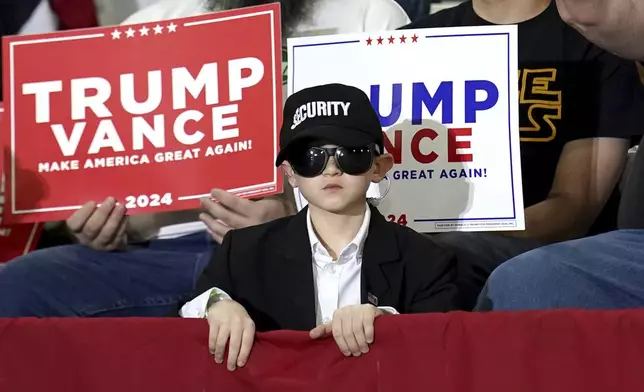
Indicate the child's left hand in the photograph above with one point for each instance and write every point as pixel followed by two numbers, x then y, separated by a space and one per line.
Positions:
pixel 351 327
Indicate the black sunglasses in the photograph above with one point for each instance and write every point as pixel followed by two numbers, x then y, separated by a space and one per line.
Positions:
pixel 311 162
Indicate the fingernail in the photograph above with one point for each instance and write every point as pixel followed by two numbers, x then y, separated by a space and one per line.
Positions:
pixel 218 360
pixel 231 367
pixel 357 354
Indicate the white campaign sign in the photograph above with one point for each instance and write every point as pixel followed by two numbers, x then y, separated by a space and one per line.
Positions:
pixel 448 103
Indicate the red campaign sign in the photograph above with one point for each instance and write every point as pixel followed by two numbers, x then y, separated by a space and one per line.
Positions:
pixel 155 115
pixel 15 240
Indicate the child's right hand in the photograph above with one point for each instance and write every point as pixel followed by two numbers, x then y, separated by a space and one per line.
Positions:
pixel 229 320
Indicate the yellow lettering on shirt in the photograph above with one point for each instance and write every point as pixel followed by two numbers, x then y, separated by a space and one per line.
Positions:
pixel 542 102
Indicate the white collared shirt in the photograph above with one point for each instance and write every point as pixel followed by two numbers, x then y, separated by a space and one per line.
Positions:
pixel 337 283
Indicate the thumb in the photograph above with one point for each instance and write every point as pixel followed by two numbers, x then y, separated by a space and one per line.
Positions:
pixel 320 331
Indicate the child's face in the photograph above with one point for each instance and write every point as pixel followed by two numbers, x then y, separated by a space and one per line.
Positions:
pixel 333 189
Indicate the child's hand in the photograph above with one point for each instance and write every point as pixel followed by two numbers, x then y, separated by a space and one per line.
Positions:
pixel 228 319
pixel 352 328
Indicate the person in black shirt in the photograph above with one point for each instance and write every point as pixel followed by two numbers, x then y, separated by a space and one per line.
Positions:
pixel 577 106
pixel 605 271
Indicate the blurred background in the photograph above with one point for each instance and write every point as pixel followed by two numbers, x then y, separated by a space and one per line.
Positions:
pixel 39 16
pixel 112 12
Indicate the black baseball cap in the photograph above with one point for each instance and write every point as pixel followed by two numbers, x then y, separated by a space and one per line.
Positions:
pixel 336 113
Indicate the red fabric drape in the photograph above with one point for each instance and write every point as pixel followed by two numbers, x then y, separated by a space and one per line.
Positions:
pixel 75 14
pixel 504 352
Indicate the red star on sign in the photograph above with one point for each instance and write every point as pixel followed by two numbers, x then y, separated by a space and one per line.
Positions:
pixel 403 39
pixel 379 40
pixel 391 39
pixel 414 38
pixel 369 40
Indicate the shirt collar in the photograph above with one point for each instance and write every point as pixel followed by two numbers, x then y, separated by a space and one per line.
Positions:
pixel 358 241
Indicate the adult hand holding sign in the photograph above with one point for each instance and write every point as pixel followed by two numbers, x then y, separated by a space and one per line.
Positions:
pixel 101 227
pixel 228 211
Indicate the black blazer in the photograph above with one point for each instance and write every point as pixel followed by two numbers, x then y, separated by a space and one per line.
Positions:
pixel 268 269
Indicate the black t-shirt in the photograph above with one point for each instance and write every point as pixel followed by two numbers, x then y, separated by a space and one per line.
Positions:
pixel 570 89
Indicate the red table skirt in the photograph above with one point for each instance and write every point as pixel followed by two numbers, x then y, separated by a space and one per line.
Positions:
pixel 458 352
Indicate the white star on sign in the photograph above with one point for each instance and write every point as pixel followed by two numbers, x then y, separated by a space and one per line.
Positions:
pixel 172 28
pixel 158 29
pixel 116 34
pixel 144 31
pixel 130 32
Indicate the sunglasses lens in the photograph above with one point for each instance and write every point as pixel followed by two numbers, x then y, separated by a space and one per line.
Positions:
pixel 308 162
pixel 355 160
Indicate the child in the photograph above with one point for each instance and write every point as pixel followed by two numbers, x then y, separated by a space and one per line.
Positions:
pixel 336 265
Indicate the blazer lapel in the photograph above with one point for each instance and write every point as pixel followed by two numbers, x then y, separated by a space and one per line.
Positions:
pixel 294 273
pixel 382 271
